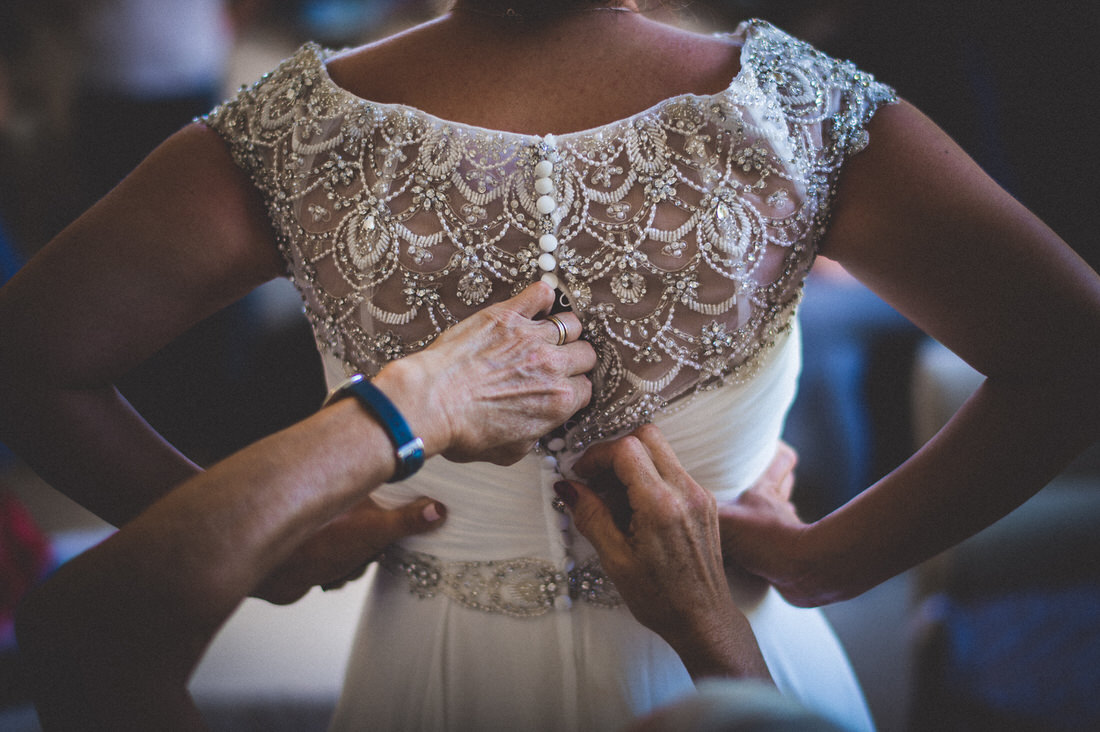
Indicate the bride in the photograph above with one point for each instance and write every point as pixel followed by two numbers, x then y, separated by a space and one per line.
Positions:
pixel 675 189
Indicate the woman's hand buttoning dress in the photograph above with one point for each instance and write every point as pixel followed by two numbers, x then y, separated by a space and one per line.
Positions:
pixel 675 188
pixel 679 235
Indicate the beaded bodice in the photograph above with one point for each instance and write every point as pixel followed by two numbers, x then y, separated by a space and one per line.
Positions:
pixel 681 235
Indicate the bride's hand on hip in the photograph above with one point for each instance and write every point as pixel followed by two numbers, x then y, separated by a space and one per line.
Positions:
pixel 762 532
pixel 490 386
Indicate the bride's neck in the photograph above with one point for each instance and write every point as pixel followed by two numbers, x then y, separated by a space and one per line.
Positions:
pixel 540 9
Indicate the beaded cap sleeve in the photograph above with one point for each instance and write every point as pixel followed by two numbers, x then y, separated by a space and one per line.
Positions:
pixel 682 234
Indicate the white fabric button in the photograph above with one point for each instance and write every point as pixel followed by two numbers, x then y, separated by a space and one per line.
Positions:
pixel 563 602
pixel 556 444
pixel 549 462
pixel 546 204
pixel 547 262
pixel 548 242
pixel 544 185
pixel 551 279
pixel 568 564
pixel 543 169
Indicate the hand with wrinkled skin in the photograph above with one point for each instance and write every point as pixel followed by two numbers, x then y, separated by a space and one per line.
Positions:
pixel 761 529
pixel 667 563
pixel 486 389
pixel 286 513
pixel 489 387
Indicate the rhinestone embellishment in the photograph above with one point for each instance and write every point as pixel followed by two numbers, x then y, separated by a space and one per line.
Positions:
pixel 521 588
pixel 701 213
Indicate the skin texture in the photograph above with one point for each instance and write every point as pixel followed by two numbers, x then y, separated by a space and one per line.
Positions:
pixel 968 264
pixel 111 640
pixel 915 219
pixel 667 562
pixel 100 655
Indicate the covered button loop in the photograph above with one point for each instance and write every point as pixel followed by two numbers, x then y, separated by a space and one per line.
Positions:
pixel 547 203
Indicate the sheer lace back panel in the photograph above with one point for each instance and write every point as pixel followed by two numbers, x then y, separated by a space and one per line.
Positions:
pixel 684 232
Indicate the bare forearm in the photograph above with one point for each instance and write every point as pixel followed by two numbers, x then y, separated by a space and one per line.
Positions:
pixel 199 550
pixel 218 535
pixel 727 649
pixel 180 238
pixel 92 446
pixel 139 609
pixel 1006 443
pixel 151 597
pixel 922 225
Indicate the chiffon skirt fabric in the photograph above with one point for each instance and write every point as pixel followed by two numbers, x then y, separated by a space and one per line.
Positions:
pixel 435 664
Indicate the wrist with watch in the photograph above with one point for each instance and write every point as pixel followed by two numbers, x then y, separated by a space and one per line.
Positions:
pixel 408 449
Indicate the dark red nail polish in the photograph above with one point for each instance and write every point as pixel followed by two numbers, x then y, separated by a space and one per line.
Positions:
pixel 566 492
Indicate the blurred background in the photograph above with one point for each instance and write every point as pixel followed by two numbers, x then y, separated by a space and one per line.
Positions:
pixel 1001 633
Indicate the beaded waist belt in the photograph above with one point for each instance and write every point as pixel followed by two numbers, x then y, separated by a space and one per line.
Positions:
pixel 521 588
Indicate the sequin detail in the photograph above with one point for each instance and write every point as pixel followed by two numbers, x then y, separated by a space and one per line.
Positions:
pixel 682 235
pixel 522 588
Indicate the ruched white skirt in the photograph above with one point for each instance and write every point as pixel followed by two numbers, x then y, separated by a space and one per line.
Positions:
pixel 441 663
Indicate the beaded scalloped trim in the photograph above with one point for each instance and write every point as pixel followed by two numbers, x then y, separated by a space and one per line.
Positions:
pixel 521 588
pixel 682 234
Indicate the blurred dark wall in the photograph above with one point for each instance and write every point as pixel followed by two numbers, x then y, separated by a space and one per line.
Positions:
pixel 1010 82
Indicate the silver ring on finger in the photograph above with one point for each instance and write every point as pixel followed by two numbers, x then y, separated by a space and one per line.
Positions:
pixel 563 332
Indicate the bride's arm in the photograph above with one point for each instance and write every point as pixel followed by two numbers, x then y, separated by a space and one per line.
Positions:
pixel 919 223
pixel 184 235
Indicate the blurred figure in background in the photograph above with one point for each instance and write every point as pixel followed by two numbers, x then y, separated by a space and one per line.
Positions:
pixel 851 415
pixel 37 58
pixel 148 67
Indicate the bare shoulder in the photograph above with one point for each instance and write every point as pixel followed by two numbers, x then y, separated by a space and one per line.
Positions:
pixel 909 168
pixel 193 177
pixel 398 60
pixel 585 71
pixel 709 60
pixel 918 221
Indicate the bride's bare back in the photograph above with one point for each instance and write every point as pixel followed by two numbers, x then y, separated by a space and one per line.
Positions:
pixel 558 75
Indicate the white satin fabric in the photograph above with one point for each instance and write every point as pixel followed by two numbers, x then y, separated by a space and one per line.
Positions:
pixel 432 664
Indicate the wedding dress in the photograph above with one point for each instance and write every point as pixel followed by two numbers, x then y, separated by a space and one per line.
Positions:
pixel 681 236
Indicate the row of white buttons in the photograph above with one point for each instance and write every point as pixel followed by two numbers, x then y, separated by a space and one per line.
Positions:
pixel 546 204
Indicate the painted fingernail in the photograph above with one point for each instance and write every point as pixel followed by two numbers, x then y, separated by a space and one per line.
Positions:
pixel 566 492
pixel 432 512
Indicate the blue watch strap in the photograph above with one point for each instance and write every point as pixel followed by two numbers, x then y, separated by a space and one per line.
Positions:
pixel 409 449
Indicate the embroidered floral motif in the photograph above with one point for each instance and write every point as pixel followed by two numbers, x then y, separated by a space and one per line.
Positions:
pixel 629 287
pixel 684 231
pixel 779 199
pixel 474 288
pixel 715 339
